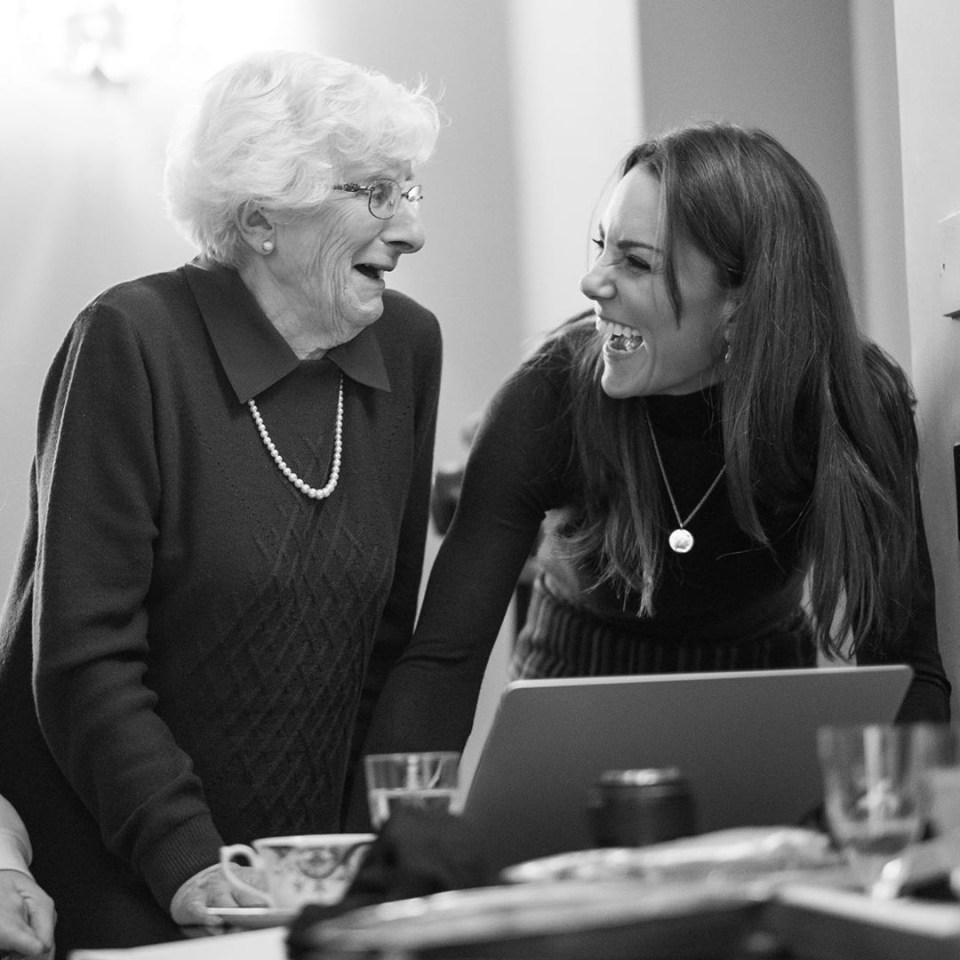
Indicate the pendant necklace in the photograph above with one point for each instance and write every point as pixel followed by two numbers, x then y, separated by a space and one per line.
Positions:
pixel 681 539
pixel 314 493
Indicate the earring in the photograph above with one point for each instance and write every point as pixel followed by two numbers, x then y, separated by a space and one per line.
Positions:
pixel 728 351
pixel 267 246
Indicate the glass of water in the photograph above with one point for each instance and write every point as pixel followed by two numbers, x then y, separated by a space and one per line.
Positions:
pixel 876 795
pixel 429 781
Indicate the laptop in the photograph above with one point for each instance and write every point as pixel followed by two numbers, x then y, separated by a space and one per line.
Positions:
pixel 746 742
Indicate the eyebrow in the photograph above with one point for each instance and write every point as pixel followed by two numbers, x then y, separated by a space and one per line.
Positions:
pixel 632 244
pixel 637 244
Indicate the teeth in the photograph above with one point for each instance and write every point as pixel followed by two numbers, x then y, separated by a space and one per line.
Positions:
pixel 616 329
pixel 621 337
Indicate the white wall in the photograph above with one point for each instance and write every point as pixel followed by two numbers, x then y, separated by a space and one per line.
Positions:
pixel 576 112
pixel 783 65
pixel 929 88
pixel 884 278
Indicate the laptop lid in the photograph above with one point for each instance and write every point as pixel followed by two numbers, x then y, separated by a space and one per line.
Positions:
pixel 746 742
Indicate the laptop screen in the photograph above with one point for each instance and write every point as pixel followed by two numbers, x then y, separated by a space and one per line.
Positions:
pixel 745 741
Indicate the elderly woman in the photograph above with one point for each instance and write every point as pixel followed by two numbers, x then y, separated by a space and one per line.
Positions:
pixel 229 506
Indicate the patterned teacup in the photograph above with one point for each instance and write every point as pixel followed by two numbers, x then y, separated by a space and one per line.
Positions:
pixel 312 868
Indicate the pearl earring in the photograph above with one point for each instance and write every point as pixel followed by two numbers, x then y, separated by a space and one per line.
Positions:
pixel 267 246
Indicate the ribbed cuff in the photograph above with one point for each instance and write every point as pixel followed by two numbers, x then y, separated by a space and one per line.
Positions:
pixel 191 848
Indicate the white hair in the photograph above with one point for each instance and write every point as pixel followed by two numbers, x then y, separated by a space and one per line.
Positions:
pixel 278 128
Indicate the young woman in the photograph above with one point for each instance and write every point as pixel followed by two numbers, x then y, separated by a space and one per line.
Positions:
pixel 718 437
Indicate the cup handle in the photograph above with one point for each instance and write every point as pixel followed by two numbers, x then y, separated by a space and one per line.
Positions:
pixel 227 855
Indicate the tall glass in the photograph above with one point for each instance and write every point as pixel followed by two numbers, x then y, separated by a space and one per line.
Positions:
pixel 876 794
pixel 426 780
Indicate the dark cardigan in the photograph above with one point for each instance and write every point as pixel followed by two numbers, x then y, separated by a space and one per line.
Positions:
pixel 199 631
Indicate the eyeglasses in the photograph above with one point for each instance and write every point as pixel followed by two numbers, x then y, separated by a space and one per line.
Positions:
pixel 383 196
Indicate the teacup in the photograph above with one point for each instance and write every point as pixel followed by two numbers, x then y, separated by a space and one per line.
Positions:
pixel 311 868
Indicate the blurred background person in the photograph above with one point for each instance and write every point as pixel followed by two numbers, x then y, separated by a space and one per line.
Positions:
pixel 229 503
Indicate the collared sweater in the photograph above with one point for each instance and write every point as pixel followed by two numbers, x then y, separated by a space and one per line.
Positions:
pixel 187 638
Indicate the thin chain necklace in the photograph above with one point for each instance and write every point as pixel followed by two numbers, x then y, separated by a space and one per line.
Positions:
pixel 316 494
pixel 681 539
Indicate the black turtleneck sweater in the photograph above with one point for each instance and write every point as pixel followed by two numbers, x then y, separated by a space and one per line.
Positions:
pixel 519 469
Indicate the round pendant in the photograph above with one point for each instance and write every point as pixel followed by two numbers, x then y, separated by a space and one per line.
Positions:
pixel 681 541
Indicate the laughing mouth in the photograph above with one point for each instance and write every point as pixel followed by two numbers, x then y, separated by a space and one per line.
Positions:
pixel 370 271
pixel 620 338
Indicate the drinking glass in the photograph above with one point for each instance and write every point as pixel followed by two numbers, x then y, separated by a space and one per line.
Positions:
pixel 426 780
pixel 875 793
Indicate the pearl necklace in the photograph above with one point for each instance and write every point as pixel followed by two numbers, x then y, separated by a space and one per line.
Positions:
pixel 681 539
pixel 308 491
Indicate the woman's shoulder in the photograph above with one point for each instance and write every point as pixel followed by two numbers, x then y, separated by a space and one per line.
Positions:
pixel 556 357
pixel 541 386
pixel 162 289
pixel 139 303
pixel 118 335
pixel 567 341
pixel 410 340
pixel 408 331
pixel 403 311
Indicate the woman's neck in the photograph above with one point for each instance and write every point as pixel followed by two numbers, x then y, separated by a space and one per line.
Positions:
pixel 294 319
pixel 690 415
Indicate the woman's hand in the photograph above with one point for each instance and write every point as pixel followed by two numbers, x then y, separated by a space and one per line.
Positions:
pixel 27 917
pixel 210 888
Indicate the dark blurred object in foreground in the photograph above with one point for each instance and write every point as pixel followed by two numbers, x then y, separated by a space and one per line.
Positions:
pixel 418 852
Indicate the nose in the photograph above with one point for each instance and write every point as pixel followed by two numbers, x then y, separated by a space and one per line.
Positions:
pixel 596 282
pixel 404 230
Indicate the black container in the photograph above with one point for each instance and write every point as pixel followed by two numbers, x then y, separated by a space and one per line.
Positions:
pixel 631 808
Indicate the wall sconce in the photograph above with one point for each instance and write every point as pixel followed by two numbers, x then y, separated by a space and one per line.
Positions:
pixel 95 42
pixel 109 42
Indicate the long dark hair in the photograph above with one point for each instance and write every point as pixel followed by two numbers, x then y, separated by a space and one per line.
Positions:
pixel 817 423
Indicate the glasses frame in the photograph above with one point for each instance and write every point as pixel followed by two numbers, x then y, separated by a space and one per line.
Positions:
pixel 413 194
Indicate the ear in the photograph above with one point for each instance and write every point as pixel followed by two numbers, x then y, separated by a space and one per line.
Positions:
pixel 256 227
pixel 728 315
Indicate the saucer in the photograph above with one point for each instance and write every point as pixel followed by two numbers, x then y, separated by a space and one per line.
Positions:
pixel 253 918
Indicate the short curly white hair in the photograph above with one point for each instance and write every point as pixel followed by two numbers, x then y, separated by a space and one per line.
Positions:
pixel 278 128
